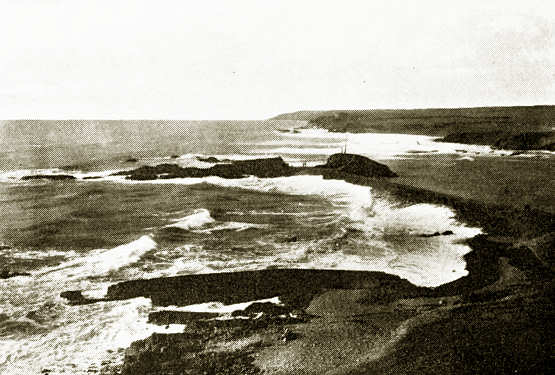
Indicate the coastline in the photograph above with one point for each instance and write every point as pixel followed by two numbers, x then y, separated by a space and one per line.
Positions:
pixel 509 283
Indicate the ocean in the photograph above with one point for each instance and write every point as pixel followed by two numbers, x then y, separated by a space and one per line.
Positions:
pixel 88 233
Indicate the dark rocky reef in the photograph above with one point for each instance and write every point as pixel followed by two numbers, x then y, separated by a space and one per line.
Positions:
pixel 75 297
pixel 6 274
pixel 294 286
pixel 269 167
pixel 437 234
pixel 55 177
pixel 273 167
pixel 358 165
pixel 210 159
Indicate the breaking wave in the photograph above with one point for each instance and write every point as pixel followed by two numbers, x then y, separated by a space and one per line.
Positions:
pixel 201 218
pixel 198 219
pixel 101 262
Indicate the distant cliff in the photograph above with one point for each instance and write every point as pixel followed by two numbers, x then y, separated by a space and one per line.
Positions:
pixel 521 128
pixel 434 121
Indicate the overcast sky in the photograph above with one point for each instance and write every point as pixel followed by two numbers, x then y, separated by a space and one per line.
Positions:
pixel 255 59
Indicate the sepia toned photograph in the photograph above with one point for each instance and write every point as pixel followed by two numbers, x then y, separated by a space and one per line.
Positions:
pixel 277 187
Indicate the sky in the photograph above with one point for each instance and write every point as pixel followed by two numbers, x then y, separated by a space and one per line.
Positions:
pixel 133 59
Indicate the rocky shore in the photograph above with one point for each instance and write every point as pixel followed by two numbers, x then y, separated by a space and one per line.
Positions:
pixel 496 320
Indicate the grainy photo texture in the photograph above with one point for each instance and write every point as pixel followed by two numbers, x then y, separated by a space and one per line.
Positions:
pixel 287 187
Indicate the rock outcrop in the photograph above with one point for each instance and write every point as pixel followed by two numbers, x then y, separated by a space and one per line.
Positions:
pixel 57 177
pixel 290 284
pixel 75 297
pixel 269 167
pixel 358 165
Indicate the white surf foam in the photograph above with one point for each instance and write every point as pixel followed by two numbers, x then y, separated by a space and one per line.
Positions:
pixel 220 308
pixel 423 261
pixel 383 145
pixel 197 219
pixel 73 339
pixel 201 218
pixel 300 150
pixel 232 226
pixel 16 175
pixel 101 262
pixel 81 339
pixel 36 254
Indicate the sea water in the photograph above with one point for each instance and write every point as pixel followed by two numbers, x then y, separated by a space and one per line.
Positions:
pixel 88 233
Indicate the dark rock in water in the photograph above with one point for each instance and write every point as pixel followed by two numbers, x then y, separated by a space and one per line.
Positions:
pixel 267 167
pixel 75 297
pixel 270 167
pixel 291 239
pixel 132 160
pixel 295 287
pixel 6 274
pixel 209 159
pixel 436 234
pixel 178 317
pixel 4 247
pixel 3 317
pixel 72 294
pixel 174 156
pixel 49 177
pixel 92 178
pixel 358 165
